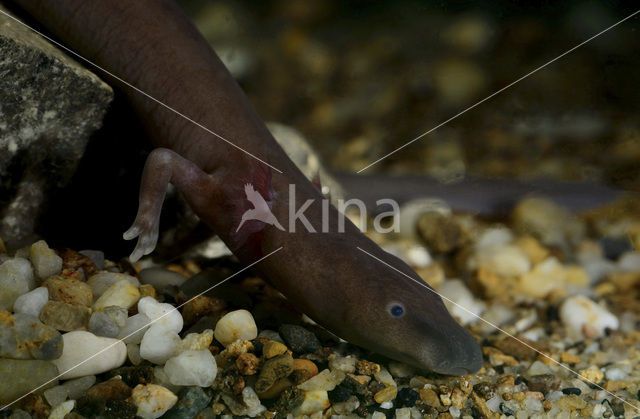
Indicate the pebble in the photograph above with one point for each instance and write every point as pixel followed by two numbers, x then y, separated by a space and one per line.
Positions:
pixel 69 290
pixel 299 339
pixel 192 368
pixel 103 280
pixel 552 224
pixel 159 344
pixel 584 318
pixel 386 394
pixel 99 354
pixel 383 376
pixel 201 306
pixel 572 390
pixel 303 369
pixel 122 294
pixel 326 380
pixel 133 353
pixel 407 397
pixel 77 387
pixel 101 324
pixel 341 393
pixel 506 261
pixel 314 401
pixel 272 348
pixel 96 256
pixel 32 302
pixel 272 370
pixel 163 280
pixel 56 395
pixel 72 389
pixel 196 341
pixel 135 328
pixel 162 314
pixel 345 407
pixel 117 314
pixel 252 402
pixel 16 278
pixel 238 324
pixel 45 260
pixel 343 363
pixel 365 367
pixel 25 376
pixel 23 336
pixel 65 317
pixel 544 382
pixel 152 400
pixel 61 410
pixel 460 301
pixel 247 364
pixel 441 233
pixel 191 400
pixel 593 374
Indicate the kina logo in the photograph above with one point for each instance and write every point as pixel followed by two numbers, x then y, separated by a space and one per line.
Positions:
pixel 260 212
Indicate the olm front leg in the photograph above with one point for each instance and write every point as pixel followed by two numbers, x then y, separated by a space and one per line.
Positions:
pixel 163 167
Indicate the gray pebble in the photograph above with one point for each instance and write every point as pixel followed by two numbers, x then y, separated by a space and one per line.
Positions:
pixel 191 401
pixel 101 324
pixel 299 339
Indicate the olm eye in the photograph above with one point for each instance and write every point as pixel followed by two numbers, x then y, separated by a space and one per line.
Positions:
pixel 396 310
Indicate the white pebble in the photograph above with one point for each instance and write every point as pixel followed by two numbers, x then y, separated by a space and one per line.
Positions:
pixel 192 368
pixel 325 380
pixel 103 280
pixel 342 363
pixel 584 318
pixel 251 400
pixel 629 262
pixel 384 377
pixel 133 353
pixel 238 324
pixel 506 261
pixel 160 378
pixel 314 401
pixel 32 302
pixel 378 415
pixel 418 256
pixel 537 368
pixel 460 299
pixel 495 236
pixel 89 354
pixel 122 294
pixel 16 279
pixel 403 413
pixel 135 328
pixel 45 260
pixel 386 405
pixel 494 403
pixel 61 410
pixel 159 344
pixel 152 400
pixel 616 373
pixel 162 314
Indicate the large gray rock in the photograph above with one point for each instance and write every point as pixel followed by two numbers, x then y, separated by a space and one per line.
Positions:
pixel 49 106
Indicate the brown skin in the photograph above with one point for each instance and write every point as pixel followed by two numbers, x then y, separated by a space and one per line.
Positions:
pixel 152 45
